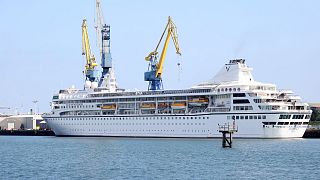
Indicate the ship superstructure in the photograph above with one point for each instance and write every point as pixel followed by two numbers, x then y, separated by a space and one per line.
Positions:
pixel 259 109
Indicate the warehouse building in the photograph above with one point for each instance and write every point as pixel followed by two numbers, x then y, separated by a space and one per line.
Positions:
pixel 26 121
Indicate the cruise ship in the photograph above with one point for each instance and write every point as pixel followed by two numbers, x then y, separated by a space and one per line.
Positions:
pixel 232 96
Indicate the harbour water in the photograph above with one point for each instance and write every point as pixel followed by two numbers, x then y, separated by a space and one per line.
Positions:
pixel 131 158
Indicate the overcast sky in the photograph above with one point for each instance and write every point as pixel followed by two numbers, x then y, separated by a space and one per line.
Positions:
pixel 41 43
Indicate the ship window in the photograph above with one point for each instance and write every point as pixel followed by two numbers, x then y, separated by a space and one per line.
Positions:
pixel 285 116
pixel 241 117
pixel 241 101
pixel 307 117
pixel 250 117
pixel 305 123
pixel 297 116
pixel 239 94
pixel 264 117
pixel 269 123
pixel 259 117
pixel 246 117
pixel 255 117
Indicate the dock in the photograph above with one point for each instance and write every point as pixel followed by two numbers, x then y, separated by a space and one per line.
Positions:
pixel 27 133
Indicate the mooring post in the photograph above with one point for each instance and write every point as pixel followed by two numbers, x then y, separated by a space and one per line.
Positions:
pixel 230 140
pixel 224 142
pixel 224 129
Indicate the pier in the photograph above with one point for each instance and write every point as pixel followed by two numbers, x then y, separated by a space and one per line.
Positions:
pixel 26 133
pixel 227 130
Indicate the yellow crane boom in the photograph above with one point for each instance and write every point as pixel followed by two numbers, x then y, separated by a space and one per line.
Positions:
pixel 154 73
pixel 86 50
pixel 171 30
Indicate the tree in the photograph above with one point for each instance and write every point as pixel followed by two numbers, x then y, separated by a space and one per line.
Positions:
pixel 315 115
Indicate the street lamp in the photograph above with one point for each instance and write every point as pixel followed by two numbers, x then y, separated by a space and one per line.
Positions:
pixel 35 105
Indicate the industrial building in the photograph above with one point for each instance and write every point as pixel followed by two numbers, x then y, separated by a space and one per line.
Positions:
pixel 25 121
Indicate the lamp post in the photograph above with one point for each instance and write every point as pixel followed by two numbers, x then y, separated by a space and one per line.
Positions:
pixel 35 106
pixel 34 121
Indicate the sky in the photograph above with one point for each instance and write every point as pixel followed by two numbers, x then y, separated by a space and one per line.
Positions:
pixel 41 44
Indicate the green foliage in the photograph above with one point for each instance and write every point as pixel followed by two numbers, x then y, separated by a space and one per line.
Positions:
pixel 315 115
pixel 314 123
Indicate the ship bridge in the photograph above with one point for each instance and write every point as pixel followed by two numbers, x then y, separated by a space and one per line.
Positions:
pixel 234 73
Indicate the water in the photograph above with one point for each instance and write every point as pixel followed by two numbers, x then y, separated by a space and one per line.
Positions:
pixel 129 158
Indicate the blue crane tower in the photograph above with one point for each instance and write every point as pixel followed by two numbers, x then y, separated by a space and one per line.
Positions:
pixel 106 60
pixel 107 79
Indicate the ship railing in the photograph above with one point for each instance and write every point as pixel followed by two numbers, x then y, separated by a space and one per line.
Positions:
pixel 228 127
pixel 47 113
pixel 151 93
pixel 217 109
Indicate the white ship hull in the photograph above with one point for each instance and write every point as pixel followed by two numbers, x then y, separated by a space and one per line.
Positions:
pixel 258 109
pixel 204 126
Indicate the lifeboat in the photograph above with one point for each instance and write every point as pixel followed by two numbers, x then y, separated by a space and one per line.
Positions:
pixel 148 106
pixel 178 105
pixel 198 102
pixel 162 105
pixel 109 107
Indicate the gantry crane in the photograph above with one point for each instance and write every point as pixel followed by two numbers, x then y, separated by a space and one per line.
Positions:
pixel 90 67
pixel 154 73
pixel 107 78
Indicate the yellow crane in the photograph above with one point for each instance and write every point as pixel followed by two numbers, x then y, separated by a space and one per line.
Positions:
pixel 90 59
pixel 154 73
